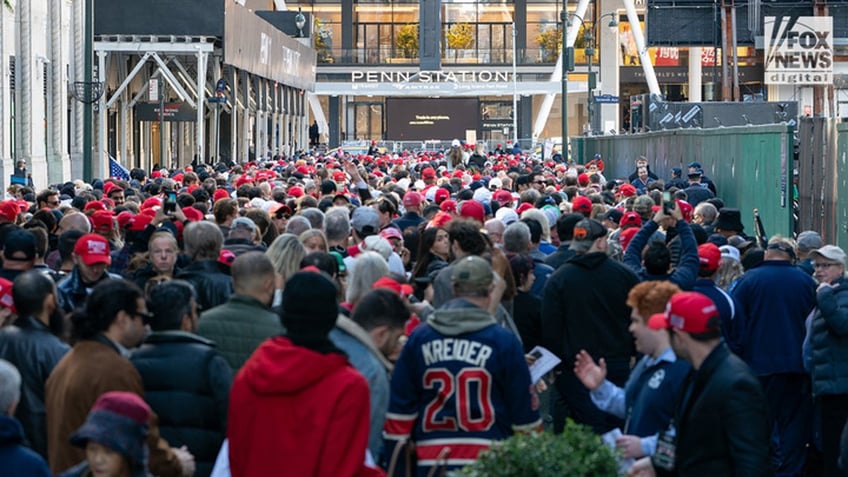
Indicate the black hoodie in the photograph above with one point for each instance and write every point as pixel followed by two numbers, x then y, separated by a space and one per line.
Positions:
pixel 584 307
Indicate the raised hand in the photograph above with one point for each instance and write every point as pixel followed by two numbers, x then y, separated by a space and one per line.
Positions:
pixel 589 373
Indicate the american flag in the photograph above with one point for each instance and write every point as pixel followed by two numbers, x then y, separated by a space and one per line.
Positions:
pixel 118 171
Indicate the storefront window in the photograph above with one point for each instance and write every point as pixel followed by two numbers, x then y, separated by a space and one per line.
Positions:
pixel 326 29
pixel 475 32
pixel 385 33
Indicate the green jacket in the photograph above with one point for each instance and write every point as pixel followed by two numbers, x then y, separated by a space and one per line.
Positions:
pixel 238 327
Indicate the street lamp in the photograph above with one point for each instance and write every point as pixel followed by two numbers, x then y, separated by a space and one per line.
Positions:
pixel 300 22
pixel 590 36
pixel 566 57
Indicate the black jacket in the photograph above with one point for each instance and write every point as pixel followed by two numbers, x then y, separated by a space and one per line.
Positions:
pixel 212 285
pixel 527 309
pixel 584 307
pixel 560 256
pixel 30 346
pixel 721 422
pixel 187 383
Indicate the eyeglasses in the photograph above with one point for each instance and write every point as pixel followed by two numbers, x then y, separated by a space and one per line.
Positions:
pixel 145 316
pixel 825 265
pixel 539 182
pixel 55 202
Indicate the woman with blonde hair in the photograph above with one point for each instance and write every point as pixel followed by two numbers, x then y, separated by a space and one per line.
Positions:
pixel 313 240
pixel 286 253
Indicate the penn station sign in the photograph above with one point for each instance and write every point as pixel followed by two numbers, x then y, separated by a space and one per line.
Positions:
pixel 799 51
pixel 460 76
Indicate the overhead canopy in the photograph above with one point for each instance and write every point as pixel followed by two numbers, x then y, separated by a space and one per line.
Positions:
pixel 249 42
pixel 254 45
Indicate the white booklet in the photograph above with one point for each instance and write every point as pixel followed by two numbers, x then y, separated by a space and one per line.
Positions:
pixel 545 362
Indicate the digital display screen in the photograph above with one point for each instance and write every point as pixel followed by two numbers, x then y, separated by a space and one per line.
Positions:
pixel 420 119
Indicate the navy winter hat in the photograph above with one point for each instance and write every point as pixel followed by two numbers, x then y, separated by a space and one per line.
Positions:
pixel 118 420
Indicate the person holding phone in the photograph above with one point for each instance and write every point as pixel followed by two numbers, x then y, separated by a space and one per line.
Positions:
pixel 652 261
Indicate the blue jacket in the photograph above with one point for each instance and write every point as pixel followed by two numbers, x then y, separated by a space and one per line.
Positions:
pixel 829 340
pixel 15 459
pixel 370 362
pixel 684 274
pixel 729 310
pixel 775 299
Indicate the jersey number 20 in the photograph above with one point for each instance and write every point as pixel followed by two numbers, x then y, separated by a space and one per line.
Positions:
pixel 463 384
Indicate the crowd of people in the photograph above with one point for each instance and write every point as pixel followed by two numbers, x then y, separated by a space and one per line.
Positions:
pixel 341 315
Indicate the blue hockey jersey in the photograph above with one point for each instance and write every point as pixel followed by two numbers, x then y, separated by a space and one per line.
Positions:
pixel 457 387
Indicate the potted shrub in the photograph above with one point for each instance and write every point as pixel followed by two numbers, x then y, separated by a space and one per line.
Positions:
pixel 577 452
pixel 323 41
pixel 406 40
pixel 550 41
pixel 460 37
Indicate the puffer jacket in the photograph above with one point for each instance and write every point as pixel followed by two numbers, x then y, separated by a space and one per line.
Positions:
pixel 212 285
pixel 187 383
pixel 30 346
pixel 238 327
pixel 829 340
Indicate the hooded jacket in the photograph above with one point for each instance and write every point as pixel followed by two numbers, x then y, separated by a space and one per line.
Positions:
pixel 585 308
pixel 294 411
pixel 15 458
pixel 460 383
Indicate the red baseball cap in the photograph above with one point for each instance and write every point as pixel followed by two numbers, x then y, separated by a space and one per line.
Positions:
pixel 140 222
pixel 94 205
pixel 473 210
pixel 220 194
pixel 102 220
pixel 295 191
pixel 441 195
pixel 412 199
pixel 710 256
pixel 192 214
pixel 581 204
pixel 9 210
pixel 151 203
pixel 686 210
pixel 124 218
pixel 391 232
pixel 523 207
pixel 502 197
pixel 448 205
pixel 627 190
pixel 428 173
pixel 401 289
pixel 93 249
pixel 630 219
pixel 691 312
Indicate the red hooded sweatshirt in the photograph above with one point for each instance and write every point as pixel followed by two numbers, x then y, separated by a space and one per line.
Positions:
pixel 294 411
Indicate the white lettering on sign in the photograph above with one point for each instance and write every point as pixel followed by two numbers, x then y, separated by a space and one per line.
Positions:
pixel 483 76
pixel 264 48
pixel 799 51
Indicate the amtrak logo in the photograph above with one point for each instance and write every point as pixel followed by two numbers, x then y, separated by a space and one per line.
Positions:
pixel 656 379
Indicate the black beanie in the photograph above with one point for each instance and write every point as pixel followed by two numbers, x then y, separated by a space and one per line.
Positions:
pixel 309 310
